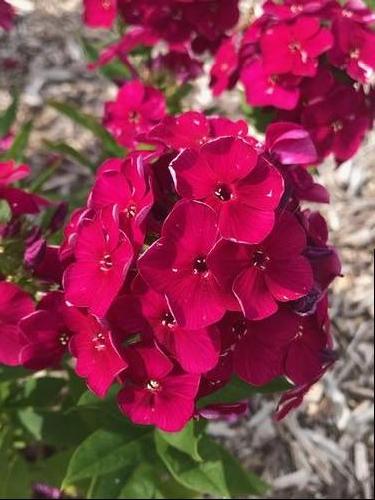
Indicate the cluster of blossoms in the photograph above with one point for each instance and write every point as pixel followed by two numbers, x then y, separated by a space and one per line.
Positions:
pixel 187 29
pixel 311 62
pixel 192 261
pixel 314 63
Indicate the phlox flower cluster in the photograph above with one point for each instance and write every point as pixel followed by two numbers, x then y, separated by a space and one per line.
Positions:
pixel 187 28
pixel 193 261
pixel 313 63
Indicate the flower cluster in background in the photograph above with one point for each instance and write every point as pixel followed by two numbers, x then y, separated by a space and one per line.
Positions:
pixel 314 62
pixel 310 62
pixel 188 28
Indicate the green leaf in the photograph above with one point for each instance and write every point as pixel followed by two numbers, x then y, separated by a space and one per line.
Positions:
pixel 5 212
pixel 371 3
pixel 141 483
pixel 15 480
pixel 103 413
pixel 37 393
pixel 54 428
pixel 114 70
pixel 109 486
pixel 32 422
pixel 17 150
pixel 8 117
pixel 90 123
pixel 174 101
pixel 186 441
pixel 145 477
pixel 218 474
pixel 8 373
pixel 238 480
pixel 105 451
pixel 238 390
pixel 43 392
pixel 44 175
pixel 259 118
pixel 69 152
pixel 53 469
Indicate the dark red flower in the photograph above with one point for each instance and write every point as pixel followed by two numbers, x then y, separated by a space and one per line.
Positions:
pixel 224 70
pixel 99 360
pixel 264 89
pixel 294 48
pixel 260 353
pixel 15 304
pixel 99 13
pixel 46 333
pixel 289 9
pixel 290 144
pixel 136 109
pixel 103 255
pixel 176 265
pixel 338 123
pixel 126 184
pixel 155 394
pixel 147 312
pixel 354 50
pixel 212 18
pixel 226 174
pixel 263 275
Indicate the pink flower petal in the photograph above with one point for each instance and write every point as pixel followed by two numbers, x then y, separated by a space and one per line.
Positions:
pixel 253 295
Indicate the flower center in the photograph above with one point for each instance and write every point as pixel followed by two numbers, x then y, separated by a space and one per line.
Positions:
pixel 153 385
pixel 106 4
pixel 200 265
pixel 295 47
pixel 239 328
pixel 300 332
pixel 295 9
pixel 99 342
pixel 337 126
pixel 354 54
pixel 223 193
pixel 260 260
pixel 134 117
pixel 64 339
pixel 168 320
pixel 347 13
pixel 106 263
pixel 130 211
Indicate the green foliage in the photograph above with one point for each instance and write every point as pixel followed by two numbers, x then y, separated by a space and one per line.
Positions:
pixel 5 212
pixel 114 70
pixel 98 453
pixel 110 146
pixel 105 451
pixel 259 118
pixel 8 117
pixel 237 390
pixel 175 97
pixel 186 441
pixel 18 148
pixel 65 150
pixel 217 473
